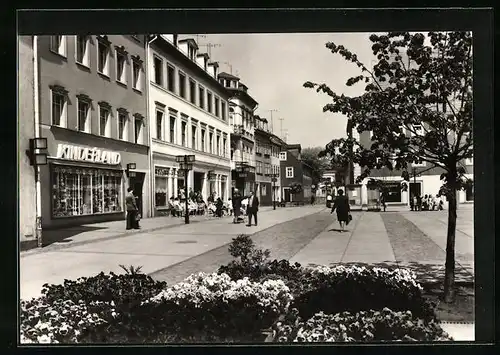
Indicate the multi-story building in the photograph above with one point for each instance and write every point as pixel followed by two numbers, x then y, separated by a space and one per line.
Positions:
pixel 26 131
pixel 241 115
pixel 93 114
pixel 189 110
pixel 295 171
pixel 267 147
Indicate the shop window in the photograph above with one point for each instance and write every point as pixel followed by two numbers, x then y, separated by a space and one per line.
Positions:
pixel 83 191
pixel 161 191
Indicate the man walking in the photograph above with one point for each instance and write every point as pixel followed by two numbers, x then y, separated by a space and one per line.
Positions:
pixel 252 208
pixel 131 209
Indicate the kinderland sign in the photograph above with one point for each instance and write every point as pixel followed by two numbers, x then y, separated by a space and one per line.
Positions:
pixel 95 155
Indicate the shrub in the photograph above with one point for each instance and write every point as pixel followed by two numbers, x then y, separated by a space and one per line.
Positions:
pixel 213 306
pixel 353 289
pixel 243 247
pixel 59 321
pixel 125 290
pixel 364 326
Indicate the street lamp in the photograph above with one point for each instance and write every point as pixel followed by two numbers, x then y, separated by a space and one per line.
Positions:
pixel 37 159
pixel 274 179
pixel 186 164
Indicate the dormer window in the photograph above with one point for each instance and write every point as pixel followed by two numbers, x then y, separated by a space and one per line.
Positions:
pixel 191 52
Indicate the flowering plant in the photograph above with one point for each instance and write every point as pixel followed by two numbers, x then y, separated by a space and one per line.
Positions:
pixel 384 325
pixel 61 321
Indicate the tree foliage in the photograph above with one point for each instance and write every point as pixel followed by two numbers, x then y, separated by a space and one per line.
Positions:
pixel 413 85
pixel 311 156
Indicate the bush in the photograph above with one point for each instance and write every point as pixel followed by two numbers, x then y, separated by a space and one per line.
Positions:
pixel 59 321
pixel 353 289
pixel 212 306
pixel 243 247
pixel 385 325
pixel 125 290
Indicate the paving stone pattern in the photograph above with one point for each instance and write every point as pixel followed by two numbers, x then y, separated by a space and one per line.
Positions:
pixel 284 239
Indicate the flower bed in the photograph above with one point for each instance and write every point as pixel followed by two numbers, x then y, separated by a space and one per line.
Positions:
pixel 363 326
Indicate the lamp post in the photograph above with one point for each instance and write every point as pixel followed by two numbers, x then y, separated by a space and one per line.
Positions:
pixel 274 178
pixel 38 158
pixel 186 164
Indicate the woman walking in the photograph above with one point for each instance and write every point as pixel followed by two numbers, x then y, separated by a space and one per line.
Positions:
pixel 341 204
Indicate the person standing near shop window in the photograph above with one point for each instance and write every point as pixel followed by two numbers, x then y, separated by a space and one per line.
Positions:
pixel 132 209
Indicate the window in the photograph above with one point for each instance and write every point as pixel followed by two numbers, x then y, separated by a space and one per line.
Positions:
pixel 201 98
pixel 138 130
pixel 58 109
pixel 193 138
pixel 184 133
pixel 209 102
pixel 202 140
pixel 136 75
pixel 210 142
pixel 58 45
pixel 82 52
pixel 158 68
pixel 283 156
pixel 170 78
pixel 223 110
pixel 172 129
pixel 217 108
pixel 192 91
pixel 218 145
pixel 182 85
pixel 83 116
pixel 289 172
pixel 122 126
pixel 159 125
pixel 104 121
pixel 160 191
pixel 191 52
pixel 103 58
pixel 121 63
pixel 224 147
pixel 78 191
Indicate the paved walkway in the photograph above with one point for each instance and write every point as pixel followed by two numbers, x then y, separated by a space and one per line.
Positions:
pixel 153 249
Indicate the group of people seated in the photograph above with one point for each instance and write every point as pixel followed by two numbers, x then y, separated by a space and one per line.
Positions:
pixel 197 206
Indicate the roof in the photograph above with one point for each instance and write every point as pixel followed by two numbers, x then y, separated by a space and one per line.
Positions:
pixel 203 55
pixel 227 76
pixel 294 146
pixel 190 41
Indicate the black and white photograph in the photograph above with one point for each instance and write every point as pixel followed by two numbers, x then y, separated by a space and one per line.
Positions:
pixel 246 188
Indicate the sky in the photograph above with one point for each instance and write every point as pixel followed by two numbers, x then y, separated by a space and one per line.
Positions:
pixel 275 67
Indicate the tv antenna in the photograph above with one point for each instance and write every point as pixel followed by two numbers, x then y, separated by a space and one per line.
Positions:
pixel 210 46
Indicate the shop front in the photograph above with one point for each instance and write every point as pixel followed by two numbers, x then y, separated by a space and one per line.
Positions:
pixel 87 184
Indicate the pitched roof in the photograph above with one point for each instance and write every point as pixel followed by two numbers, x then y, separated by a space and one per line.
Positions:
pixel 228 76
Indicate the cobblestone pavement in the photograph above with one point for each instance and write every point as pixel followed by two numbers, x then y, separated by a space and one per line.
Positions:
pixel 284 240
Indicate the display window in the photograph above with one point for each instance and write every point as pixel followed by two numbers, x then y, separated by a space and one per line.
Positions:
pixel 78 191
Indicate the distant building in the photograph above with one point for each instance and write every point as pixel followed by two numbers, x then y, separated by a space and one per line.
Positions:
pixel 295 171
pixel 26 131
pixel 267 149
pixel 241 115
pixel 189 111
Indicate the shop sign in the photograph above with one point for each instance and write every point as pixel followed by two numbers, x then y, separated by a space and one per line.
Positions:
pixel 161 171
pixel 95 155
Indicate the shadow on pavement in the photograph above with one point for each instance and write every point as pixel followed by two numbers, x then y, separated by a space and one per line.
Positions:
pixel 63 235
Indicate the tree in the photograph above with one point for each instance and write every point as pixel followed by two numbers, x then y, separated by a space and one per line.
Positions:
pixel 418 104
pixel 295 188
pixel 311 156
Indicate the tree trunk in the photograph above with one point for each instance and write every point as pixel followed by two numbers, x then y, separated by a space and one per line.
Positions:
pixel 449 276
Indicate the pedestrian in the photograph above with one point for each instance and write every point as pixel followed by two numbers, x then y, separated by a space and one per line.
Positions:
pixel 425 203
pixel 236 205
pixel 229 206
pixel 312 199
pixel 341 204
pixel 419 203
pixel 382 200
pixel 329 199
pixel 131 205
pixel 218 207
pixel 171 206
pixel 252 208
pixel 412 202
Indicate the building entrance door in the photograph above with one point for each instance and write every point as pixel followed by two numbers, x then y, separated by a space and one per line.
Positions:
pixel 287 195
pixel 137 183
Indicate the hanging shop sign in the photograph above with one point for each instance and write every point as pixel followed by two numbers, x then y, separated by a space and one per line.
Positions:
pixel 161 171
pixel 95 155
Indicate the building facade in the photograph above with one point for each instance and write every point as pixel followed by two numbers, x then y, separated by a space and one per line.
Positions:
pixel 93 114
pixel 241 116
pixel 190 114
pixel 267 148
pixel 294 171
pixel 26 131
